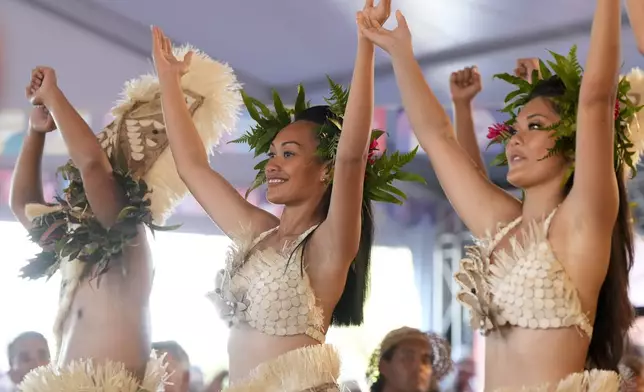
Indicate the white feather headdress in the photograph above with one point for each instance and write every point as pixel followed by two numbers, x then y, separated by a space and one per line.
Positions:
pixel 217 84
pixel 217 114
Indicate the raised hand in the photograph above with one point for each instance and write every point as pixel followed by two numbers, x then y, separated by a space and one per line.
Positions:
pixel 465 84
pixel 379 13
pixel 525 67
pixel 42 86
pixel 165 62
pixel 393 41
pixel 40 120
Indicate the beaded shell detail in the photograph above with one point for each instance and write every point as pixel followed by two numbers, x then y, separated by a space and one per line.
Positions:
pixel 266 290
pixel 525 287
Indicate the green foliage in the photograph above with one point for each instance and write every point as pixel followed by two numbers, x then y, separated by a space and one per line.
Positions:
pixel 568 69
pixel 381 171
pixel 373 367
pixel 75 233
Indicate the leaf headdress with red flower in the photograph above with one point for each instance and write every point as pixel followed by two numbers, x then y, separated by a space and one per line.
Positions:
pixel 382 168
pixel 570 72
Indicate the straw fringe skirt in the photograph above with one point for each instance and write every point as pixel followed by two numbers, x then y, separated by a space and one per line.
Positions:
pixel 588 381
pixel 308 369
pixel 86 376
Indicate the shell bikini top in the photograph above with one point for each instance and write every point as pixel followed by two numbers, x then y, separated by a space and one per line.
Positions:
pixel 526 287
pixel 266 290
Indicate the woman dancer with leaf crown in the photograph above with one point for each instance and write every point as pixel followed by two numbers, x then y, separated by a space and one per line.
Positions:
pixel 118 183
pixel 287 279
pixel 547 279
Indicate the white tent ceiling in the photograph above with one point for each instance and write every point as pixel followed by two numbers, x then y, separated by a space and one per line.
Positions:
pixel 279 43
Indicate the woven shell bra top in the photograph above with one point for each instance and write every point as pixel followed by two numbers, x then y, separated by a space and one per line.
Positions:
pixel 268 289
pixel 526 287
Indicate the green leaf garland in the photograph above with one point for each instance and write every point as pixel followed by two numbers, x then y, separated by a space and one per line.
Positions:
pixel 73 232
pixel 568 69
pixel 382 170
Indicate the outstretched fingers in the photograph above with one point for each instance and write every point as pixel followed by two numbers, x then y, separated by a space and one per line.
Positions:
pixel 362 20
pixel 367 23
pixel 157 42
pixel 167 46
pixel 385 5
pixel 187 59
pixel 401 20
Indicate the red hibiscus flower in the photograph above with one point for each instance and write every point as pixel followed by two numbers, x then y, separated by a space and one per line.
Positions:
pixel 371 156
pixel 616 110
pixel 496 130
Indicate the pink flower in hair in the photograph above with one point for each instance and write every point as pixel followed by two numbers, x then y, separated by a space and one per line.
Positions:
pixel 373 147
pixel 616 109
pixel 496 130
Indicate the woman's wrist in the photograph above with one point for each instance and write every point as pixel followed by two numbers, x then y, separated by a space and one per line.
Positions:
pixel 169 78
pixel 402 55
pixel 36 135
pixel 53 98
pixel 462 103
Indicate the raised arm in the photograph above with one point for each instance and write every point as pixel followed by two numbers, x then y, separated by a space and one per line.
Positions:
pixel 464 86
pixel 103 193
pixel 594 191
pixel 635 9
pixel 341 229
pixel 478 202
pixel 26 184
pixel 221 201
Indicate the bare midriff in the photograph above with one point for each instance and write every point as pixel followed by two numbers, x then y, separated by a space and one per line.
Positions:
pixel 110 318
pixel 517 357
pixel 248 348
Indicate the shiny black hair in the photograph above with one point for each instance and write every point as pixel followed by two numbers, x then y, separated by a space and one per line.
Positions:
pixel 350 307
pixel 614 314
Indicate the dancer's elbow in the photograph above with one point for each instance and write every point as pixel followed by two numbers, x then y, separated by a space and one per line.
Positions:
pixel 189 170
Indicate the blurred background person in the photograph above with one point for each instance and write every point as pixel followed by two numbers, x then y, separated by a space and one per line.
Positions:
pixel 634 369
pixel 409 360
pixel 26 352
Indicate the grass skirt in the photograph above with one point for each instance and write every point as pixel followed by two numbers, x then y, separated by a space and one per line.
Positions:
pixel 589 381
pixel 308 369
pixel 87 376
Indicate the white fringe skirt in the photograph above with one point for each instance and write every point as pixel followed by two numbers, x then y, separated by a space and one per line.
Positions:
pixel 308 369
pixel 86 376
pixel 589 381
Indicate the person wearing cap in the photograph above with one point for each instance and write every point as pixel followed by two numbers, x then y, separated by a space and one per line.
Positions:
pixel 409 360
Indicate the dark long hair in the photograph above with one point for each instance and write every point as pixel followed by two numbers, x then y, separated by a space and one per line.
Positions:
pixel 350 308
pixel 614 314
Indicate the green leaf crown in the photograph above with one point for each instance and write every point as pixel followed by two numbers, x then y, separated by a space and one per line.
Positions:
pixel 382 168
pixel 570 72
